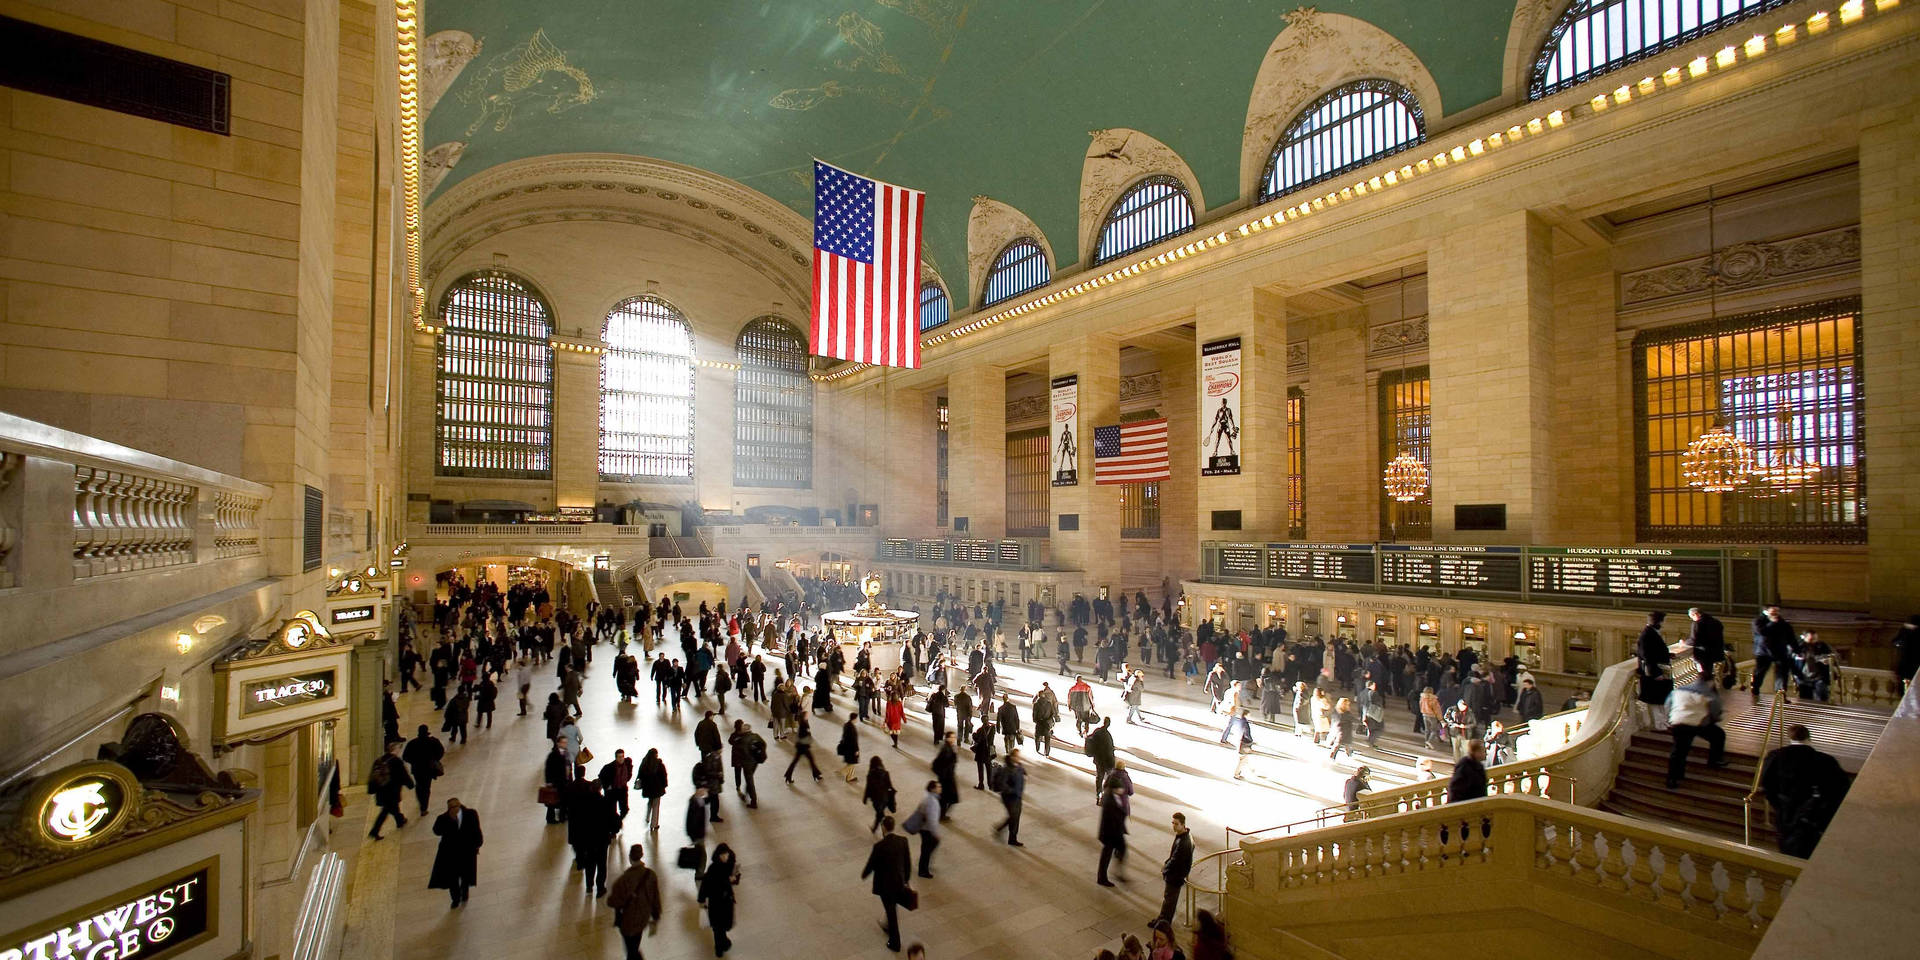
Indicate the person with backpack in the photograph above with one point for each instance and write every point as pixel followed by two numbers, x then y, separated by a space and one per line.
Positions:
pixel 635 900
pixel 1080 704
pixel 1008 720
pixel 983 752
pixel 747 751
pixel 1099 748
pixel 652 782
pixel 925 821
pixel 385 782
pixel 423 756
pixel 1046 713
pixel 1011 785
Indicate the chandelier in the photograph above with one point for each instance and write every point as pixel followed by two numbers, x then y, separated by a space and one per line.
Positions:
pixel 1717 460
pixel 1788 467
pixel 1405 478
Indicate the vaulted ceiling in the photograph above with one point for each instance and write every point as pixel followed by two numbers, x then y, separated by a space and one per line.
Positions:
pixel 956 97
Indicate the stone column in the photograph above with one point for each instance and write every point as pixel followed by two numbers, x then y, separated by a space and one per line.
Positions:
pixel 576 425
pixel 713 436
pixel 1343 482
pixel 1259 492
pixel 1179 544
pixel 1890 332
pixel 421 416
pixel 1095 546
pixel 908 462
pixel 977 449
pixel 1490 349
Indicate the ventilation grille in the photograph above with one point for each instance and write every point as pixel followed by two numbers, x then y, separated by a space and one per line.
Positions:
pixel 55 63
pixel 313 530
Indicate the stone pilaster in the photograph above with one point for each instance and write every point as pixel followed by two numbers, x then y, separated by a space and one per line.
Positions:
pixel 977 449
pixel 907 463
pixel 576 427
pixel 1179 547
pixel 1890 331
pixel 1259 492
pixel 1095 546
pixel 1343 480
pixel 1490 349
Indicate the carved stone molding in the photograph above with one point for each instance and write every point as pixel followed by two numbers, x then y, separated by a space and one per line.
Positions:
pixel 991 225
pixel 1145 386
pixel 1296 357
pixel 1117 159
pixel 1395 336
pixel 1744 265
pixel 1027 408
pixel 443 54
pixel 126 521
pixel 9 520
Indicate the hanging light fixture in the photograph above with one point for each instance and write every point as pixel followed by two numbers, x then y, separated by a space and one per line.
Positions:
pixel 1406 476
pixel 1717 461
pixel 1788 468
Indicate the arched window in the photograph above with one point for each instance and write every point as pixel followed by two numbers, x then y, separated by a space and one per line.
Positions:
pixel 495 380
pixel 933 305
pixel 1150 211
pixel 1595 36
pixel 646 393
pixel 1350 126
pixel 1020 267
pixel 772 407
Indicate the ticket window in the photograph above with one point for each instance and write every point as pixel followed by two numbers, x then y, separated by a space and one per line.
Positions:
pixel 1526 646
pixel 1243 615
pixel 1310 622
pixel 1582 652
pixel 1346 624
pixel 1216 614
pixel 1473 636
pixel 1276 615
pixel 1428 635
pixel 1386 629
pixel 1013 595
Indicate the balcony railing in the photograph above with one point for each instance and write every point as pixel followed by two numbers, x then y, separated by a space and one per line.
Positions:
pixel 552 532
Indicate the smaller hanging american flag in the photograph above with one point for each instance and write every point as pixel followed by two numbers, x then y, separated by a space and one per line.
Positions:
pixel 1131 453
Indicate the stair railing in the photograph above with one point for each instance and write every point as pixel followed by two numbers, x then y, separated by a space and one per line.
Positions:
pixel 1776 721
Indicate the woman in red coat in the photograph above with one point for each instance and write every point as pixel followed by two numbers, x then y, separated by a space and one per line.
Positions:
pixel 896 716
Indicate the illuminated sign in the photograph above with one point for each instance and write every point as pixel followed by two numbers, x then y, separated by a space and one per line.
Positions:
pixel 352 614
pixel 80 805
pixel 275 693
pixel 148 922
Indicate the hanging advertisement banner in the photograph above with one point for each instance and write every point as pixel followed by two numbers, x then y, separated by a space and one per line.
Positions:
pixel 1220 408
pixel 1064 429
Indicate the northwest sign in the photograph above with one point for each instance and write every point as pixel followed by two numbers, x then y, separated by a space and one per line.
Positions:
pixel 146 923
pixel 274 693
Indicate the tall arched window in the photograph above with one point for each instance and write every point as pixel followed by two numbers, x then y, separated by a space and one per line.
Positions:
pixel 1021 266
pixel 1595 36
pixel 772 407
pixel 1150 211
pixel 934 307
pixel 494 415
pixel 646 393
pixel 1349 127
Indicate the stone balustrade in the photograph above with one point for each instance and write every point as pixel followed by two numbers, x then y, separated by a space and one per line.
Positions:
pixel 1541 863
pixel 125 521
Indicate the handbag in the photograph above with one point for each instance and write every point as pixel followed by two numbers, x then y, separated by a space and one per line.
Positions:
pixel 910 898
pixel 549 795
pixel 585 757
pixel 688 858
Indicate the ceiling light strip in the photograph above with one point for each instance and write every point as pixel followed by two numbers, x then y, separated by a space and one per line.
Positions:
pixel 407 39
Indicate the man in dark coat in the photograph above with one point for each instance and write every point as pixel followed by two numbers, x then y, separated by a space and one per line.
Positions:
pixel 890 864
pixel 1708 640
pixel 558 774
pixel 1113 830
pixel 937 710
pixel 1174 870
pixel 456 865
pixel 1654 658
pixel 635 900
pixel 423 754
pixel 1773 640
pixel 1906 646
pixel 385 782
pixel 1013 792
pixel 1009 722
pixel 944 763
pixel 1804 786
pixel 590 826
pixel 1529 704
pixel 1099 748
pixel 1469 780
pixel 983 752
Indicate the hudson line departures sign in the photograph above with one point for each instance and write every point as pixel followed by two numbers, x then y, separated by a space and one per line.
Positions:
pixel 148 922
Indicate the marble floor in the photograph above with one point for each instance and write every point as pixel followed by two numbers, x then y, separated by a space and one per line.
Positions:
pixel 801 851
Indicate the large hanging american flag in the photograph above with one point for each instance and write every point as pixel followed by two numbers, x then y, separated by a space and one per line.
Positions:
pixel 866 268
pixel 1131 453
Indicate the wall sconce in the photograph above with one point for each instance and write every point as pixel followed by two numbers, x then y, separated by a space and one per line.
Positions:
pixel 183 642
pixel 1468 631
pixel 1341 618
pixel 333 572
pixel 1379 621
pixel 1425 625
pixel 170 692
pixel 1519 634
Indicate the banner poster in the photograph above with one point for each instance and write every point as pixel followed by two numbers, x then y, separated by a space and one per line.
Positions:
pixel 1064 430
pixel 1220 408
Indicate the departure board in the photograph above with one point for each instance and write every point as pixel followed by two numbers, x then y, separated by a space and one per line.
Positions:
pixel 1451 567
pixel 1626 573
pixel 896 550
pixel 1010 552
pixel 1240 560
pixel 972 551
pixel 1344 563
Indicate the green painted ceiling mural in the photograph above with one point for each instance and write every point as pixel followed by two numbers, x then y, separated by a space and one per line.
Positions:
pixel 954 97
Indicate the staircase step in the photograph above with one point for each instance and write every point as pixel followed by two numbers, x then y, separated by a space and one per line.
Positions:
pixel 1644 808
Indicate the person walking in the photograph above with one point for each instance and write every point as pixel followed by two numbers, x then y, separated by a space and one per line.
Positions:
pixel 1469 781
pixel 1112 832
pixel 456 716
pixel 983 752
pixel 879 791
pixel 652 781
pixel 634 898
pixel 1343 723
pixel 1008 720
pixel 716 892
pixel 385 781
pixel 963 713
pixel 558 777
pixel 925 821
pixel 896 716
pixel 802 749
pixel 747 751
pixel 1135 696
pixel 1046 713
pixel 1804 786
pixel 456 864
pixel 590 824
pixel 849 748
pixel 1693 711
pixel 890 864
pixel 937 702
pixel 945 761
pixel 1174 870
pixel 487 698
pixel 696 826
pixel 1099 747
pixel 1080 704
pixel 1355 786
pixel 614 775
pixel 1708 641
pixel 1773 641
pixel 423 755
pixel 1013 792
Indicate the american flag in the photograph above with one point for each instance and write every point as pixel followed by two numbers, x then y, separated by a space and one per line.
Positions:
pixel 1131 453
pixel 866 268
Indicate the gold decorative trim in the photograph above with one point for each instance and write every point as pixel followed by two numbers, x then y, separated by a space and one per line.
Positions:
pixel 65 814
